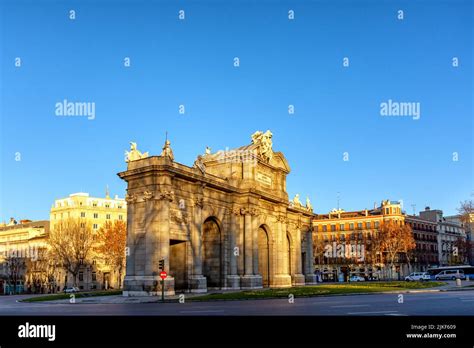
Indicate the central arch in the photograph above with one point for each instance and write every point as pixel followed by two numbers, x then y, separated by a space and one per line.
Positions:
pixel 212 253
pixel 264 256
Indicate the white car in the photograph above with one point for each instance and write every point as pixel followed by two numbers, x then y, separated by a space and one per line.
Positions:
pixel 71 289
pixel 417 276
pixel 356 278
pixel 450 275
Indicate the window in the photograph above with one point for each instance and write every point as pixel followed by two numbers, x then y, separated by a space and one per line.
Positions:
pixel 107 216
pixel 107 205
pixel 96 215
pixel 83 224
pixel 95 226
pixel 359 225
pixel 333 228
pixel 377 224
pixel 325 228
pixel 94 204
pixel 351 226
pixel 120 207
pixel 83 214
pixel 341 227
pixel 81 276
pixel 94 276
pixel 120 217
pixel 367 225
pixel 386 211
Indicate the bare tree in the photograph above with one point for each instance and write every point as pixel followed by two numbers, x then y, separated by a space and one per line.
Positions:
pixel 70 244
pixel 462 248
pixel 36 271
pixel 397 239
pixel 112 240
pixel 466 212
pixel 318 250
pixel 15 266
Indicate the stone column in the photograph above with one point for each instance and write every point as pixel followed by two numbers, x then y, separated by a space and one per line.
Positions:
pixel 298 277
pixel 129 281
pixel 159 232
pixel 254 213
pixel 280 279
pixel 240 243
pixel 310 277
pixel 248 244
pixel 233 280
pixel 197 282
pixel 249 280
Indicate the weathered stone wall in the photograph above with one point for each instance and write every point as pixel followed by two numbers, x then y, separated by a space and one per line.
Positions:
pixel 221 228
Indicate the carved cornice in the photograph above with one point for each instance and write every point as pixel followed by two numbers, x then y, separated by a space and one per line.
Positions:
pixel 249 211
pixel 282 218
pixel 235 211
pixel 147 195
pixel 198 202
pixel 130 198
pixel 166 195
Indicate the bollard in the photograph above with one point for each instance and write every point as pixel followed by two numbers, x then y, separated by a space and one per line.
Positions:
pixel 458 282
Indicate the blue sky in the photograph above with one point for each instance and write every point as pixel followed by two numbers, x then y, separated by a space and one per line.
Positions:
pixel 282 62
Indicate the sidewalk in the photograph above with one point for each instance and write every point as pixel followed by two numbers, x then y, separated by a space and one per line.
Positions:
pixel 114 299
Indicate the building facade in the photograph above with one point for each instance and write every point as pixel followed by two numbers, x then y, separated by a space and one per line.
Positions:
pixel 96 212
pixel 224 223
pixel 450 233
pixel 343 241
pixel 464 254
pixel 426 236
pixel 20 242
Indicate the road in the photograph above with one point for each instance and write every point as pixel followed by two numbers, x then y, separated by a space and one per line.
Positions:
pixel 422 303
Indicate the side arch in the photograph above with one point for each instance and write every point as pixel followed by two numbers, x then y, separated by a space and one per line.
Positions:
pixel 212 252
pixel 264 254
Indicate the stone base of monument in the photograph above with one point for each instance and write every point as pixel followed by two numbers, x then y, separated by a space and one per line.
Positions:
pixel 310 278
pixel 298 279
pixel 197 284
pixel 281 281
pixel 147 286
pixel 251 282
pixel 232 282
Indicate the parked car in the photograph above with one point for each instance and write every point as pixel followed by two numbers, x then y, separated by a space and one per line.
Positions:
pixel 71 289
pixel 417 276
pixel 450 275
pixel 356 278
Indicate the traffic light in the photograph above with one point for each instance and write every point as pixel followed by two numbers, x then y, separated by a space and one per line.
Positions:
pixel 162 264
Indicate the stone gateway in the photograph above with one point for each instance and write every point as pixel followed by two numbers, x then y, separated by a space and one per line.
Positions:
pixel 225 223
